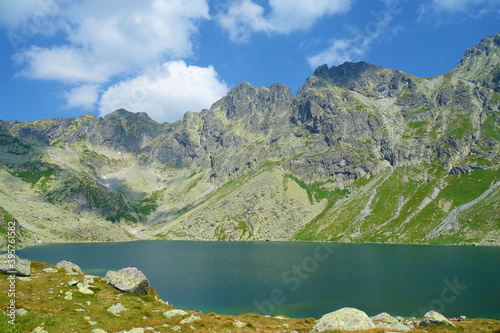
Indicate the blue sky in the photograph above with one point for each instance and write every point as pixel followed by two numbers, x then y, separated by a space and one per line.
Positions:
pixel 64 58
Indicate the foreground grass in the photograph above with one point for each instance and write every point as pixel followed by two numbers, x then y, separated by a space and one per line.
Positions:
pixel 44 298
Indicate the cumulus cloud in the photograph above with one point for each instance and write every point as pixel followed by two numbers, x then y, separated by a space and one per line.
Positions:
pixel 63 64
pixel 165 93
pixel 354 48
pixel 84 97
pixel 244 17
pixel 112 37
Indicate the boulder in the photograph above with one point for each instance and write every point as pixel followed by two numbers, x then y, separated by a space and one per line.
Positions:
pixel 12 264
pixel 385 320
pixel 435 318
pixel 348 319
pixel 128 279
pixel 69 267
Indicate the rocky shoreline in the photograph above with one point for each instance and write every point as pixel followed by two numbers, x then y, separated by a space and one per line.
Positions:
pixel 62 298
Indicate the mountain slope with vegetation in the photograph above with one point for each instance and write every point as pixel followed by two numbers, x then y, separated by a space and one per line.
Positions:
pixel 360 153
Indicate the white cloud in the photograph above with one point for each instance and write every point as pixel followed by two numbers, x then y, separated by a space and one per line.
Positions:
pixel 105 40
pixel 13 13
pixel 84 97
pixel 166 92
pixel 460 5
pixel 64 64
pixel 354 48
pixel 245 17
pixel 112 37
pixel 340 51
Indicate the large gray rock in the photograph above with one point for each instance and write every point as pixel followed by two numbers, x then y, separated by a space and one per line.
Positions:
pixel 348 319
pixel 128 279
pixel 435 318
pixel 12 264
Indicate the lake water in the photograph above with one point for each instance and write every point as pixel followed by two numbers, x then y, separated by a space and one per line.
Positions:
pixel 301 279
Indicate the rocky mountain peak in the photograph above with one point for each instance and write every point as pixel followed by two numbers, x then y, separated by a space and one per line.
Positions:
pixel 349 74
pixel 482 63
pixel 124 114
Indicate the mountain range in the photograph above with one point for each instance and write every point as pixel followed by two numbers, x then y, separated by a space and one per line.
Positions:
pixel 361 153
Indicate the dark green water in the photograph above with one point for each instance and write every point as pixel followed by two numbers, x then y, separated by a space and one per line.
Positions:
pixel 302 279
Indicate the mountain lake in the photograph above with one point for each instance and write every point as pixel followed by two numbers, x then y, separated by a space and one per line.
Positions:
pixel 301 279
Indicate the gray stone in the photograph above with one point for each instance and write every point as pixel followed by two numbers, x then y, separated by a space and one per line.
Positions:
pixel 385 320
pixel 239 324
pixel 69 266
pixel 98 330
pixel 348 319
pixel 116 309
pixel 12 264
pixel 174 313
pixel 190 319
pixel 281 318
pixel 49 270
pixel 73 282
pixel 134 330
pixel 128 279
pixel 21 312
pixel 84 289
pixel 435 318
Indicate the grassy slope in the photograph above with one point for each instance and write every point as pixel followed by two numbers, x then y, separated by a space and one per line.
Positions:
pixel 396 208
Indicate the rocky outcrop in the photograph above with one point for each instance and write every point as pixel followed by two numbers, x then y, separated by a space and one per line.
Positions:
pixel 12 264
pixel 347 319
pixel 128 279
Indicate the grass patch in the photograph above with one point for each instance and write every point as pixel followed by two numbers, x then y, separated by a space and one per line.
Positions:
pixel 416 124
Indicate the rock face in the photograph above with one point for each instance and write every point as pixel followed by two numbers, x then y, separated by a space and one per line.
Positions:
pixel 383 149
pixel 12 264
pixel 435 318
pixel 348 319
pixel 128 279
